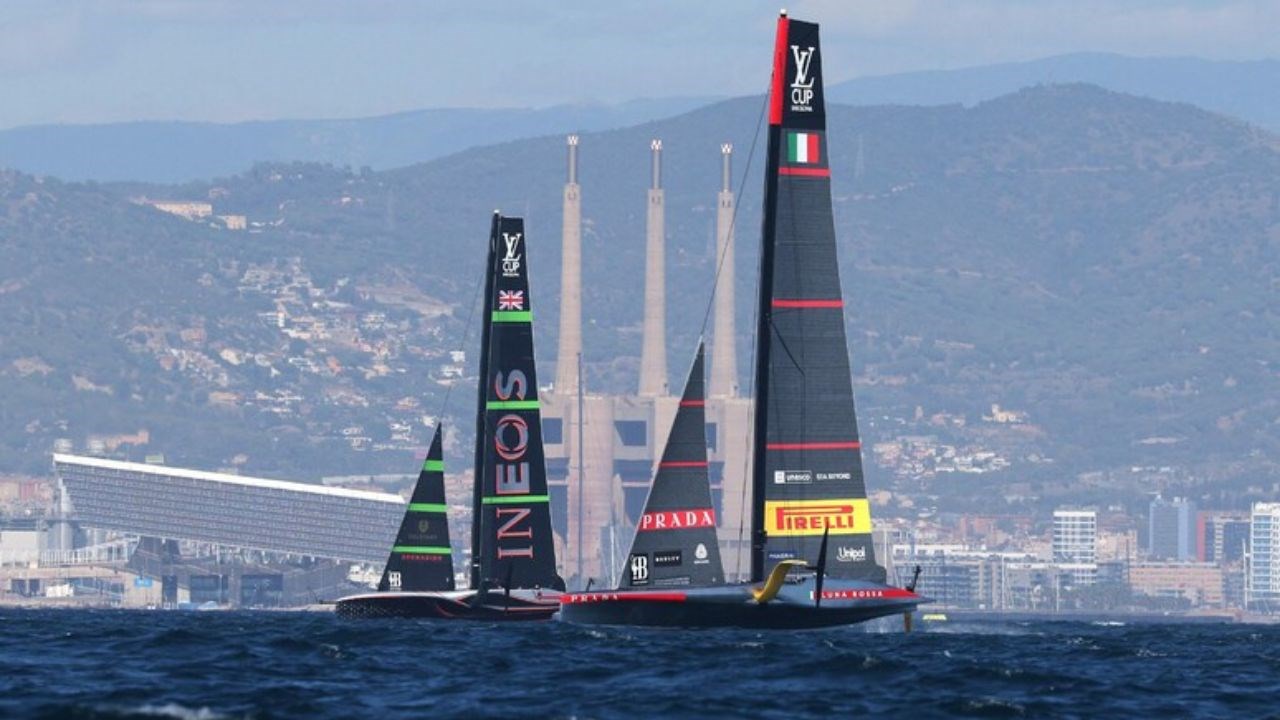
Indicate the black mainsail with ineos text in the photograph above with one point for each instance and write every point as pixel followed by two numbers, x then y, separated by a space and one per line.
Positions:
pixel 513 569
pixel 511 544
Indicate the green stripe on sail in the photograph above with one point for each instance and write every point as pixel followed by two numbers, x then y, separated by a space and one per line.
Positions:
pixel 428 507
pixel 512 316
pixel 511 405
pixel 423 549
pixel 793 146
pixel 515 499
pixel 433 465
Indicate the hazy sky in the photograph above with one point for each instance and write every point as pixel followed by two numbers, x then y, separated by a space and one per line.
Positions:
pixel 226 60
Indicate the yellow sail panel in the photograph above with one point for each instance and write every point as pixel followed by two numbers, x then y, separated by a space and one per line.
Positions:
pixel 792 518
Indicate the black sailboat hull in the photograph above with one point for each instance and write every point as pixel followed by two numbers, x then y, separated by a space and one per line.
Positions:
pixel 521 605
pixel 845 602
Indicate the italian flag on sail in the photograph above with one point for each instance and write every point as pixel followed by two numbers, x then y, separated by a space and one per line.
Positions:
pixel 802 148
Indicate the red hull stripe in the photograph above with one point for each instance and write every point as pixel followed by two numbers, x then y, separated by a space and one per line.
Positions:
pixel 815 446
pixel 623 597
pixel 888 593
pixel 778 303
pixel 779 72
pixel 805 171
pixel 683 464
pixel 693 403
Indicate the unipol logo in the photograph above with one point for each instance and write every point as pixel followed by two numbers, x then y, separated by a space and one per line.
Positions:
pixel 850 554
pixel 511 260
pixel 802 85
pixel 639 567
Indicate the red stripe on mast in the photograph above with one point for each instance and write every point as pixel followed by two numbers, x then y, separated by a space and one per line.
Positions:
pixel 779 73
pixel 805 171
pixel 835 304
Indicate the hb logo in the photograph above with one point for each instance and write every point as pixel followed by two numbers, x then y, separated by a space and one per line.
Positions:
pixel 639 569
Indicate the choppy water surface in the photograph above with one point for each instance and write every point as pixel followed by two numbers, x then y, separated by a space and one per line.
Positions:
pixel 117 664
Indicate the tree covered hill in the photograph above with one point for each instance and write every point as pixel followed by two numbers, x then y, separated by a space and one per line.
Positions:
pixel 1102 267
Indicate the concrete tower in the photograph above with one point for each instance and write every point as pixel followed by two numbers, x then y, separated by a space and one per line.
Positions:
pixel 570 280
pixel 653 355
pixel 724 364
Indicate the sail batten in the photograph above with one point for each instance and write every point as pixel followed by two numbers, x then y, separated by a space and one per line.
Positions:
pixel 807 474
pixel 421 559
pixel 675 541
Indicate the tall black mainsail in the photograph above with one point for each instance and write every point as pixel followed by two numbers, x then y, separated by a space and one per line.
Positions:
pixel 675 541
pixel 812 560
pixel 511 543
pixel 807 474
pixel 511 540
pixel 421 559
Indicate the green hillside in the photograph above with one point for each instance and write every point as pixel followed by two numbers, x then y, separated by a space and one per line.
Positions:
pixel 1102 266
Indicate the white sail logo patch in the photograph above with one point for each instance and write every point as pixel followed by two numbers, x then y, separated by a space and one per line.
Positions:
pixel 802 86
pixel 639 569
pixel 848 554
pixel 700 555
pixel 511 261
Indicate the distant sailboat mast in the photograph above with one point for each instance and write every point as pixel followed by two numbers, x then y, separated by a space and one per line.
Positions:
pixel 477 498
pixel 582 470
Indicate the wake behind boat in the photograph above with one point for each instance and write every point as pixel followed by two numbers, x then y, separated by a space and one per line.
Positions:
pixel 808 492
pixel 513 569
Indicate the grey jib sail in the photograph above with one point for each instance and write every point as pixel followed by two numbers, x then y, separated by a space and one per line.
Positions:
pixel 512 539
pixel 675 542
pixel 421 559
pixel 807 475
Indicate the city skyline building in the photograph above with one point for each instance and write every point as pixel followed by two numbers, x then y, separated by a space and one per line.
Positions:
pixel 1171 529
pixel 1262 590
pixel 1075 544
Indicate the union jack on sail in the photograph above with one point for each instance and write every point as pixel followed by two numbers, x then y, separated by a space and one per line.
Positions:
pixel 510 299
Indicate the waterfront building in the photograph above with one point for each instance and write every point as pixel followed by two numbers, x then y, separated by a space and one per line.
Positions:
pixel 1075 544
pixel 1262 590
pixel 1171 529
pixel 1200 584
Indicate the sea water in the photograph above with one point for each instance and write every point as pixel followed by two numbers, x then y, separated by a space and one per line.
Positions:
pixel 156 664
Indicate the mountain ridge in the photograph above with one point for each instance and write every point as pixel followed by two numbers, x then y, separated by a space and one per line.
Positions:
pixel 1098 266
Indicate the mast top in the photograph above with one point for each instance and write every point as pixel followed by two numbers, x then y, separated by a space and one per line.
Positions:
pixel 782 12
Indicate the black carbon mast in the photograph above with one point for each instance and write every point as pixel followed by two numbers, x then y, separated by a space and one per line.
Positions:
pixel 807 468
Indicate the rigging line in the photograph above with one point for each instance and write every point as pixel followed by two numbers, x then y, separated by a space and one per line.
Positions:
pixel 733 219
pixel 755 312
pixel 466 335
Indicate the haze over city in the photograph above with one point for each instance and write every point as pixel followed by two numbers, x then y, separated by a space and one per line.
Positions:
pixel 90 61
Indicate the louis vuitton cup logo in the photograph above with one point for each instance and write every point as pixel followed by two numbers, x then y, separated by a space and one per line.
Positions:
pixel 802 85
pixel 511 260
